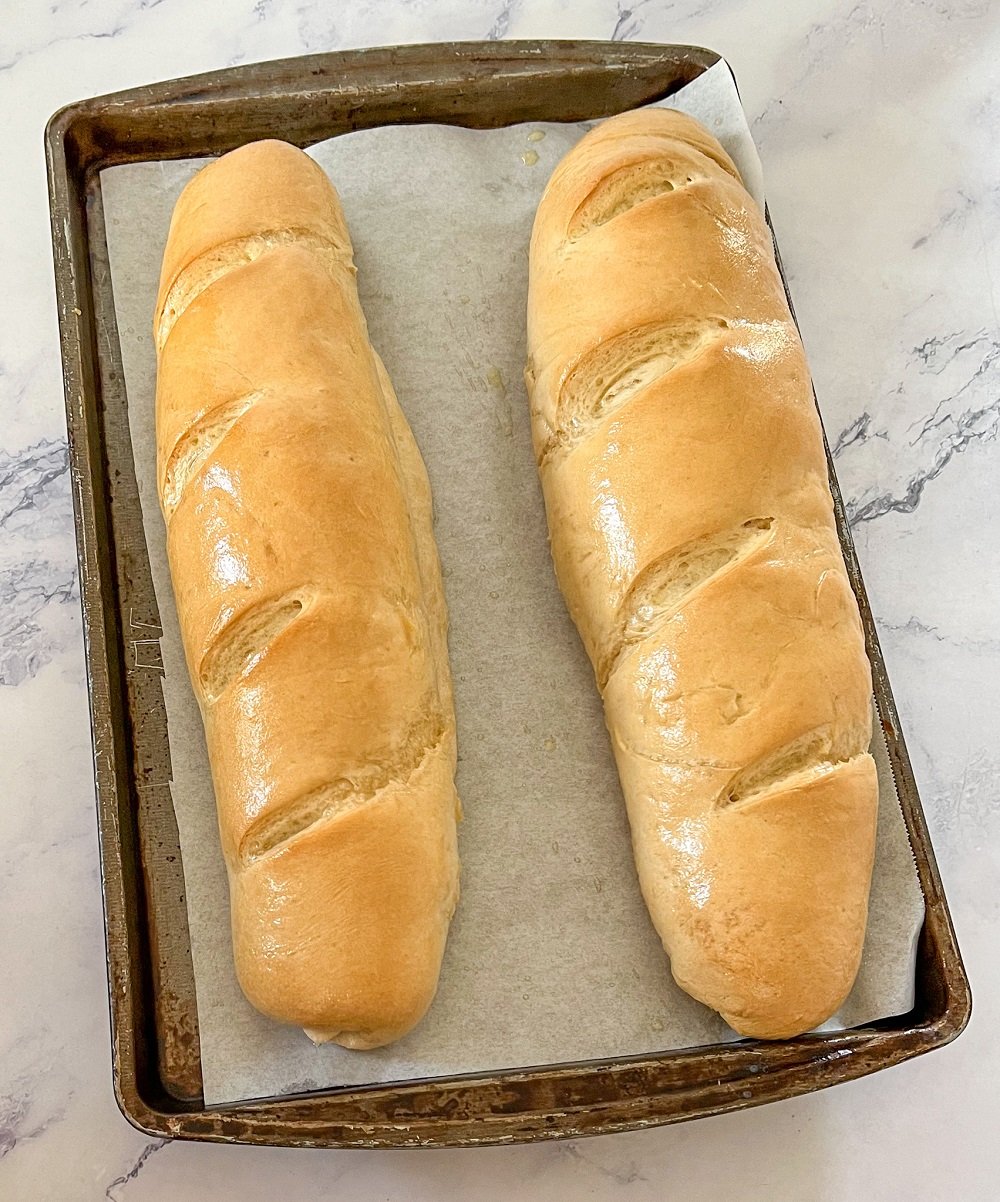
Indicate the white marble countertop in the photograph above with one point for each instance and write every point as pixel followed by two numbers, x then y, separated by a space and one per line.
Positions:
pixel 877 127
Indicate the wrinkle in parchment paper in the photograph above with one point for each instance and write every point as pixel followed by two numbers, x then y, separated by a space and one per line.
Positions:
pixel 551 957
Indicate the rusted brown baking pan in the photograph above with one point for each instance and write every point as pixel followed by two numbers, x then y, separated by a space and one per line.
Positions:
pixel 157 1069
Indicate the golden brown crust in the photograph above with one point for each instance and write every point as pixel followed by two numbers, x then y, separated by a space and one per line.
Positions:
pixel 693 536
pixel 310 600
pixel 362 916
pixel 219 213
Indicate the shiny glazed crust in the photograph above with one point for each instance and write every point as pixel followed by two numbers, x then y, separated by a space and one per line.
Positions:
pixel 298 518
pixel 693 535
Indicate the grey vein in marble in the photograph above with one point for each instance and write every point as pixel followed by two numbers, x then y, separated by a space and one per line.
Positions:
pixel 25 591
pixel 630 21
pixel 498 30
pixel 114 1191
pixel 574 1150
pixel 37 566
pixel 18 1123
pixel 959 372
pixel 858 431
pixel 808 57
pixel 25 480
pixel 915 626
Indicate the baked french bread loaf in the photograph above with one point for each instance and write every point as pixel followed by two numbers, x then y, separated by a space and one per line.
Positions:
pixel 298 516
pixel 693 535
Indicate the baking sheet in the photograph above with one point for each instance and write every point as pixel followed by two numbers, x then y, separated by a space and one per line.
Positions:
pixel 551 957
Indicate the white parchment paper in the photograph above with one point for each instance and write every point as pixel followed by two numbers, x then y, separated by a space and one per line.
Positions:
pixel 551 957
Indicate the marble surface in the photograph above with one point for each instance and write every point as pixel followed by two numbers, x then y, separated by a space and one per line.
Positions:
pixel 877 125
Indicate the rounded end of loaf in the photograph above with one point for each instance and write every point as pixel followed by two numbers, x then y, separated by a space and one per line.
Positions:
pixel 652 122
pixel 341 930
pixel 358 1041
pixel 233 209
pixel 634 192
pixel 776 946
pixel 623 162
pixel 783 1025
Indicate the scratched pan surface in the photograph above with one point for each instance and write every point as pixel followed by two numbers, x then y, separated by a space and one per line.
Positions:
pixel 157 1069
